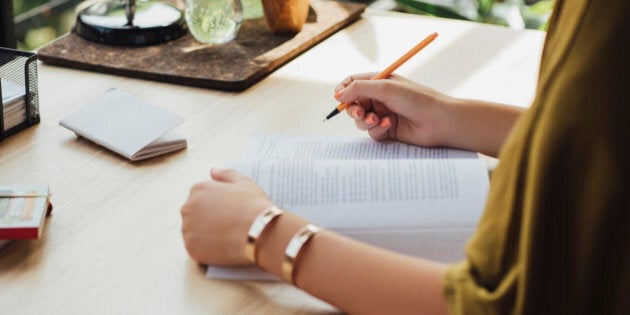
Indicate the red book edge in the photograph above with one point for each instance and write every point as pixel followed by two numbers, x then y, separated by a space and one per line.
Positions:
pixel 25 233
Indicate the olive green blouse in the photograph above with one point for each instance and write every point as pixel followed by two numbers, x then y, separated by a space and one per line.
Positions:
pixel 555 235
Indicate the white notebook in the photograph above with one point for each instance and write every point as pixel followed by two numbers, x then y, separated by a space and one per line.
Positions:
pixel 126 125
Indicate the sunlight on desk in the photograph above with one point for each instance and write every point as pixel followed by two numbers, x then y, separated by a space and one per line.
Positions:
pixel 114 243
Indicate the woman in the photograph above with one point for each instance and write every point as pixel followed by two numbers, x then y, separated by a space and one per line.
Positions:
pixel 554 236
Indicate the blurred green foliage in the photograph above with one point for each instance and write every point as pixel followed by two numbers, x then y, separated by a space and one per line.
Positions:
pixel 21 6
pixel 41 21
pixel 49 24
pixel 513 13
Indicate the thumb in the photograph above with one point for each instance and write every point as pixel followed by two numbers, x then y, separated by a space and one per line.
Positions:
pixel 225 175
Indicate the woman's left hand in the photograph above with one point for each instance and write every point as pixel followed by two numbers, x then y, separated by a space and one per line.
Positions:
pixel 217 216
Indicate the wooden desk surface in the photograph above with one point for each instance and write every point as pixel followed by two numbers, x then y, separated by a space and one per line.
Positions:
pixel 113 243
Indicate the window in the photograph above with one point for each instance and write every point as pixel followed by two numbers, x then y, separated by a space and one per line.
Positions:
pixel 38 22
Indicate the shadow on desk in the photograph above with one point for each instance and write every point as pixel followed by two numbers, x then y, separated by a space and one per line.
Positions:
pixel 91 149
pixel 24 255
pixel 253 297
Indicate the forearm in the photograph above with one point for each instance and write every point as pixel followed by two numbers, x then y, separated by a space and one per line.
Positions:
pixel 355 277
pixel 478 125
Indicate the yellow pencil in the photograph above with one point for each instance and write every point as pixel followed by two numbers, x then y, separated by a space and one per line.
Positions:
pixel 389 70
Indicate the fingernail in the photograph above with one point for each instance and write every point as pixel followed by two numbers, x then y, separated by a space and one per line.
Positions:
pixel 385 123
pixel 370 120
pixel 339 93
pixel 355 113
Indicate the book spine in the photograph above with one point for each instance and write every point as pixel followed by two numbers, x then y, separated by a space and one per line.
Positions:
pixel 18 233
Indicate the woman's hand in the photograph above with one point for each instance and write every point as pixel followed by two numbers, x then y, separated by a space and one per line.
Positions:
pixel 394 108
pixel 217 216
pixel 399 109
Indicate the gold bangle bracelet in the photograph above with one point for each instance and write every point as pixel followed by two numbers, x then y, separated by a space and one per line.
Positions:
pixel 257 228
pixel 294 249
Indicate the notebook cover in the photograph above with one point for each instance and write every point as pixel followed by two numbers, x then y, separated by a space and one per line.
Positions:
pixel 121 122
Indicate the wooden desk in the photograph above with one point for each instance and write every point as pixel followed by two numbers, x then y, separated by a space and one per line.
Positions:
pixel 113 244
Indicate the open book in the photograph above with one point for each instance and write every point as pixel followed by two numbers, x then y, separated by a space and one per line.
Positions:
pixel 423 202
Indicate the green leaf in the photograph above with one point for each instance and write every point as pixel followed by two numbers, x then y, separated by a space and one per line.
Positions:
pixel 484 7
pixel 419 7
pixel 542 7
pixel 536 16
pixel 508 14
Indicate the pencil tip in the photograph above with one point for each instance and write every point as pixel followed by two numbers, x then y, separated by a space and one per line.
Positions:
pixel 324 120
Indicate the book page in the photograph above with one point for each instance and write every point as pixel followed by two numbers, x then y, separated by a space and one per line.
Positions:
pixel 375 194
pixel 423 202
pixel 423 208
pixel 270 147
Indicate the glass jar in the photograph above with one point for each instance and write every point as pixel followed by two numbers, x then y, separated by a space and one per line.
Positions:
pixel 214 21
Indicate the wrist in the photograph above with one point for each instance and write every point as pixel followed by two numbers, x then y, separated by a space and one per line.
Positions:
pixel 245 222
pixel 294 249
pixel 443 128
pixel 477 125
pixel 261 223
pixel 254 209
pixel 272 244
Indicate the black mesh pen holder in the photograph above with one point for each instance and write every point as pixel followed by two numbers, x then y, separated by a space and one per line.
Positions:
pixel 18 72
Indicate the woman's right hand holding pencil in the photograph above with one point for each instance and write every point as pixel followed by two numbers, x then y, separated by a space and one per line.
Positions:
pixel 399 109
pixel 394 108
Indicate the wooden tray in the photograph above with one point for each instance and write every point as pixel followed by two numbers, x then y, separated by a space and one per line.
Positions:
pixel 235 66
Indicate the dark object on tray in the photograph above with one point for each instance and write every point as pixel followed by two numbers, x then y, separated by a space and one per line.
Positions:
pixel 104 22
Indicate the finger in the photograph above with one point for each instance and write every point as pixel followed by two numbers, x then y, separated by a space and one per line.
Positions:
pixel 365 90
pixel 356 112
pixel 358 76
pixel 370 121
pixel 198 187
pixel 381 131
pixel 226 175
